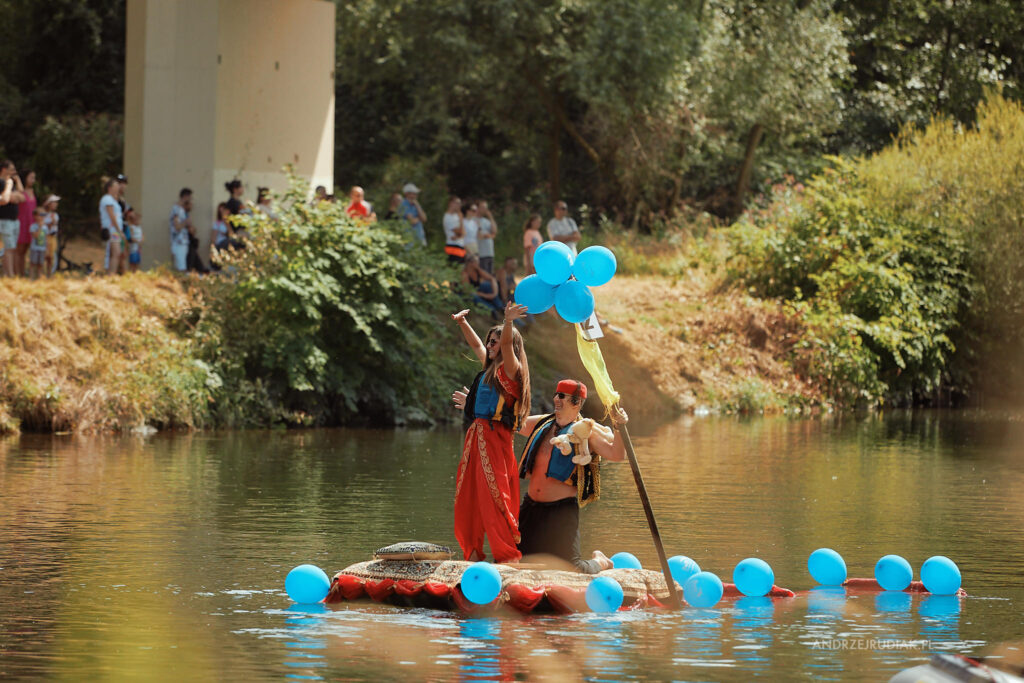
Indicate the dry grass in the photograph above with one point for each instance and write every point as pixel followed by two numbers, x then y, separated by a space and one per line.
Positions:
pixel 704 345
pixel 96 353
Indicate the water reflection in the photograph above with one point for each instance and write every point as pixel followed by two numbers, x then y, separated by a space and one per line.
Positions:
pixel 112 550
pixel 751 622
pixel 304 622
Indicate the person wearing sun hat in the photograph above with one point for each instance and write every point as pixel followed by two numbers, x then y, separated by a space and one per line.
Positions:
pixel 411 211
pixel 52 222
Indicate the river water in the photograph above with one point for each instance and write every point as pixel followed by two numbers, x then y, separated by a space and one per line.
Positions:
pixel 164 557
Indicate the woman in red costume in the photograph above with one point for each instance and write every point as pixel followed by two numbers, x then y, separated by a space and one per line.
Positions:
pixel 487 484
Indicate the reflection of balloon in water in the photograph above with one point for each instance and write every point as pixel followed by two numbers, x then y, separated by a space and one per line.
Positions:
pixel 604 594
pixel 594 266
pixel 892 601
pixel 941 607
pixel 893 573
pixel 537 295
pixel 625 561
pixel 307 583
pixel 827 567
pixel 826 600
pixel 553 262
pixel 940 575
pixel 704 589
pixel 753 577
pixel 682 568
pixel 574 301
pixel 481 583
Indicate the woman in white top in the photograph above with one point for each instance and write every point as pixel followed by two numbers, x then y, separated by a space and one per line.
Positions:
pixel 112 220
pixel 454 245
pixel 470 228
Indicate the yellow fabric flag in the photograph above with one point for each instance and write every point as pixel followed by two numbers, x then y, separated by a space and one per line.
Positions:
pixel 593 361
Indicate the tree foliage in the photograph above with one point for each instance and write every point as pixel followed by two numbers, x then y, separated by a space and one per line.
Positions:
pixel 906 264
pixel 323 319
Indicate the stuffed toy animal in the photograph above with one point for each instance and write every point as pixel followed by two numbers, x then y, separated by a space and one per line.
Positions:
pixel 579 435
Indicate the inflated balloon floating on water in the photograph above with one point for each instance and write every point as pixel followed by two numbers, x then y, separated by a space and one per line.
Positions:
pixel 604 594
pixel 307 584
pixel 753 577
pixel 552 286
pixel 481 583
pixel 625 561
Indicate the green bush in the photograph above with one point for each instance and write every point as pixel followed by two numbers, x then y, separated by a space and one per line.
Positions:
pixel 905 266
pixel 325 320
pixel 880 292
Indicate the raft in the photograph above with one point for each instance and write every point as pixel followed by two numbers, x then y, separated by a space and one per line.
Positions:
pixel 434 584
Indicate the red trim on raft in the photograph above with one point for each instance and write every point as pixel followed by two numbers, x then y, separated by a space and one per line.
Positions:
pixel 729 590
pixel 872 585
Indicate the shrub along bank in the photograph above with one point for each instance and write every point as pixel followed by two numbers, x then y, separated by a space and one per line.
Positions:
pixel 904 267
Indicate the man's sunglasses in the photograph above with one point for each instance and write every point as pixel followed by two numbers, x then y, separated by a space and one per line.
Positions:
pixel 575 399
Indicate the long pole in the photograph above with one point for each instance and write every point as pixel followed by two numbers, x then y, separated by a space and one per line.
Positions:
pixel 646 501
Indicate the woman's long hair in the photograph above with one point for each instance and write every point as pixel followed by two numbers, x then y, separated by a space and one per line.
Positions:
pixel 529 221
pixel 491 367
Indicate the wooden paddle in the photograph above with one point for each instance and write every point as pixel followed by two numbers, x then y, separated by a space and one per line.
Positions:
pixel 646 502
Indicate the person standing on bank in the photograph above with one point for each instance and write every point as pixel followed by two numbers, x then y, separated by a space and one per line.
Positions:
pixel 486 232
pixel 26 219
pixel 10 196
pixel 112 225
pixel 562 228
pixel 487 484
pixel 412 212
pixel 454 244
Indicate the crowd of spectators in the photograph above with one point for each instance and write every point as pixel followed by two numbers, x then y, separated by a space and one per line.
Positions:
pixel 28 228
pixel 29 231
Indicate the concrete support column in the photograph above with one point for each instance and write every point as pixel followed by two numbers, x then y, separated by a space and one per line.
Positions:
pixel 224 89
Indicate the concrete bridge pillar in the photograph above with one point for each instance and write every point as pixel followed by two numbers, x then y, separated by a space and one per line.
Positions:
pixel 224 89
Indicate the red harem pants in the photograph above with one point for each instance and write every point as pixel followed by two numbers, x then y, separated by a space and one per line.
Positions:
pixel 487 493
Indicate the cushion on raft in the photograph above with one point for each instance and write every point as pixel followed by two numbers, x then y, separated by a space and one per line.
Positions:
pixel 413 550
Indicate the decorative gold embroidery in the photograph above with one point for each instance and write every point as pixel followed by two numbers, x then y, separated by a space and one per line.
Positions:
pixel 463 462
pixel 492 484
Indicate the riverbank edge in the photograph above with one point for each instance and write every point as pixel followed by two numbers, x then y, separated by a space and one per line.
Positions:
pixel 98 354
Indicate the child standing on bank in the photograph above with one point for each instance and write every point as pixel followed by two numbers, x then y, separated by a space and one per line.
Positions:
pixel 133 230
pixel 52 223
pixel 37 243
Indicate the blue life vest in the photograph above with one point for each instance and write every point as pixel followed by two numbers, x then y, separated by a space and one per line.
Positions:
pixel 488 403
pixel 560 467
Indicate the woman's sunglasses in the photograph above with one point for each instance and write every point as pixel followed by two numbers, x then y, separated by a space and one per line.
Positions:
pixel 575 399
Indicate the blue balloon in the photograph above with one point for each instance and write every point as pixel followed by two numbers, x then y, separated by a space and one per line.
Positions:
pixel 481 583
pixel 893 573
pixel 625 561
pixel 594 266
pixel 307 584
pixel 704 589
pixel 827 567
pixel 604 594
pixel 537 295
pixel 940 575
pixel 553 262
pixel 573 301
pixel 753 577
pixel 682 568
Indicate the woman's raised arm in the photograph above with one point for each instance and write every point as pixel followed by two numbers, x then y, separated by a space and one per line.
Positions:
pixel 470 335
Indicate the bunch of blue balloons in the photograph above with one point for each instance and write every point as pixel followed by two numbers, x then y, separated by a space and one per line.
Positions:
pixel 564 282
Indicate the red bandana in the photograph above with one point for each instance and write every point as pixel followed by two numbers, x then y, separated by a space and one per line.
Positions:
pixel 572 388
